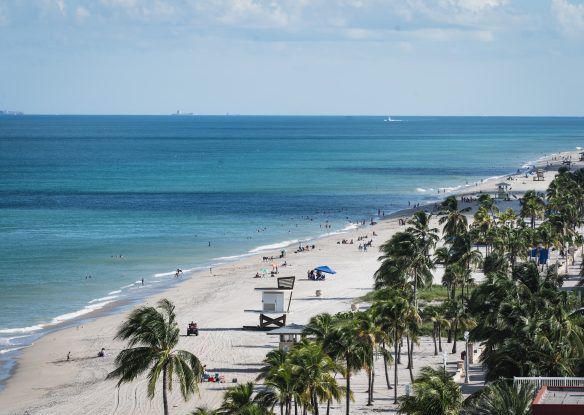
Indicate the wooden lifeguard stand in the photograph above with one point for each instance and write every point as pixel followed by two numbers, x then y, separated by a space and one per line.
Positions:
pixel 539 175
pixel 274 302
pixel 503 191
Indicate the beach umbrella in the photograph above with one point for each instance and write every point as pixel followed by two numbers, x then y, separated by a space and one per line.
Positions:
pixel 326 269
pixel 264 271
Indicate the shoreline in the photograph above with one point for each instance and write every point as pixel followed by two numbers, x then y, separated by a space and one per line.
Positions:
pixel 112 313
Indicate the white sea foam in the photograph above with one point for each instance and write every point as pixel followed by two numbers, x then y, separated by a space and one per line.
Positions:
pixel 420 189
pixel 29 329
pixel 85 310
pixel 109 297
pixel 12 349
pixel 8 341
pixel 350 227
pixel 231 258
pixel 164 274
pixel 278 245
pixel 114 292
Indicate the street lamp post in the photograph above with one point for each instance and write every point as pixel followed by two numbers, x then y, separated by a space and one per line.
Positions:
pixel 466 335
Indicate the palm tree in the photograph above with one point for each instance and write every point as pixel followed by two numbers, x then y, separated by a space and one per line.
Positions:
pixel 454 220
pixel 532 206
pixel 280 381
pixel 370 333
pixel 502 398
pixel 435 393
pixel 425 236
pixel 238 400
pixel 152 334
pixel 399 313
pixel 404 257
pixel 431 314
pixel 315 371
pixel 344 344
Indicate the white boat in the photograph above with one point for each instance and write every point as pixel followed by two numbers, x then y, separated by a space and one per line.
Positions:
pixel 389 119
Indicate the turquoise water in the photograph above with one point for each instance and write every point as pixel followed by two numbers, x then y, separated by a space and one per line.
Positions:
pixel 125 198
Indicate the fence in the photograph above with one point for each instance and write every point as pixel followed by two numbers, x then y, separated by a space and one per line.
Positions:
pixel 538 382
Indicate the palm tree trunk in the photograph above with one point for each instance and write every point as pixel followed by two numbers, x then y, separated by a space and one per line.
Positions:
pixel 348 386
pixel 440 337
pixel 411 360
pixel 416 290
pixel 455 335
pixel 164 397
pixel 315 398
pixel 369 385
pixel 395 359
pixel 399 356
pixel 328 407
pixel 434 340
pixel 408 351
pixel 372 384
pixel 385 368
pixel 282 408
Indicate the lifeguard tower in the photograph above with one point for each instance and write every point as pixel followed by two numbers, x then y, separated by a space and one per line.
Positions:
pixel 275 301
pixel 539 175
pixel 503 191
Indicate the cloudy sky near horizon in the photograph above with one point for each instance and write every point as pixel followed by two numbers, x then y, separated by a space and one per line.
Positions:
pixel 404 57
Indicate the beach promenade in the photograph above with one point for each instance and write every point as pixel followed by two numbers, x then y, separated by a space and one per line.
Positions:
pixel 221 302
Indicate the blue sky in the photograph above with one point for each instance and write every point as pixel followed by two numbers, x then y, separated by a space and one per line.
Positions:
pixel 404 57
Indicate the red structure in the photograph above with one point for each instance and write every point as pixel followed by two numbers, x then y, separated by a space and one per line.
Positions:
pixel 559 400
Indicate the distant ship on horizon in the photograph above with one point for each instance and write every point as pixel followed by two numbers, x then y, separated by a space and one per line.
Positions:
pixel 180 113
pixel 7 112
pixel 389 119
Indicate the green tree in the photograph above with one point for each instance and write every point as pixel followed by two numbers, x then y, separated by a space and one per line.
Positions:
pixel 435 393
pixel 502 397
pixel 238 400
pixel 152 335
pixel 398 312
pixel 532 206
pixel 315 371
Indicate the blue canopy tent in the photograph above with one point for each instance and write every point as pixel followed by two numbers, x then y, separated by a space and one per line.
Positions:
pixel 326 269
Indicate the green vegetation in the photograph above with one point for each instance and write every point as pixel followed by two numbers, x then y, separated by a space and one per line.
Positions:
pixel 527 326
pixel 152 335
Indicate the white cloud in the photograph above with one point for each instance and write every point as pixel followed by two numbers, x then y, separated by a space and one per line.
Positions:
pixel 4 16
pixel 474 6
pixel 569 16
pixel 81 13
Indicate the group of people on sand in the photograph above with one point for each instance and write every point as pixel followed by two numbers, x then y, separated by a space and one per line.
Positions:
pixel 345 242
pixel 366 245
pixel 315 276
pixel 305 248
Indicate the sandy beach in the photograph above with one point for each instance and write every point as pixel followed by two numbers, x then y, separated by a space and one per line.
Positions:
pixel 222 302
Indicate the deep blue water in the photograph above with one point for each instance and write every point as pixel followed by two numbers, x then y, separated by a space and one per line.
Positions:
pixel 76 192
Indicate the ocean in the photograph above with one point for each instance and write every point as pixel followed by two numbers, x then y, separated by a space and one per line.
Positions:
pixel 91 205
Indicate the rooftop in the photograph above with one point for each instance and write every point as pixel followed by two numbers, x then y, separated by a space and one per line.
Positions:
pixel 558 395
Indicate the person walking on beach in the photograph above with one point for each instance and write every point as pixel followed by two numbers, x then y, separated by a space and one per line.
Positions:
pixel 142 280
pixel 68 356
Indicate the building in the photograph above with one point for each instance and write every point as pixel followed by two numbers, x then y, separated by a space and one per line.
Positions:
pixel 559 400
